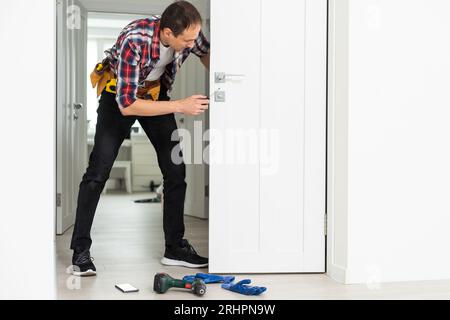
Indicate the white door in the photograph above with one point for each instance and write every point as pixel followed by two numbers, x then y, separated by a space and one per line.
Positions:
pixel 71 111
pixel 268 139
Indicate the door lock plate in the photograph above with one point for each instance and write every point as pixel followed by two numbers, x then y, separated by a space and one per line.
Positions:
pixel 219 96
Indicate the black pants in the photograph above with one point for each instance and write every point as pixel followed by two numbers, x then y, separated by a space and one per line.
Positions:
pixel 112 128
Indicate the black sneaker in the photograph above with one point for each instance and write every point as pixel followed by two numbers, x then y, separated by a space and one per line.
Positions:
pixel 184 256
pixel 82 265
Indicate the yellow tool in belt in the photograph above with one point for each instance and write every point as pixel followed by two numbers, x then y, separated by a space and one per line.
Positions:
pixel 100 77
pixel 111 86
pixel 148 90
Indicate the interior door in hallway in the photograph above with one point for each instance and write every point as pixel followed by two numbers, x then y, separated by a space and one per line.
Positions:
pixel 71 111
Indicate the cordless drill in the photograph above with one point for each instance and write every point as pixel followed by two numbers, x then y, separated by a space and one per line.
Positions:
pixel 163 282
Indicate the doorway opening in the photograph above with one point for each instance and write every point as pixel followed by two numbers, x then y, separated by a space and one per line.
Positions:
pixel 127 229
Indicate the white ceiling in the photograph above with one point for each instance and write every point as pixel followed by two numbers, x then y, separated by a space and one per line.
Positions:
pixel 127 6
pixel 145 7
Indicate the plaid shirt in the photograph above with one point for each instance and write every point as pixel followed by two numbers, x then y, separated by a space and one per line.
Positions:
pixel 136 53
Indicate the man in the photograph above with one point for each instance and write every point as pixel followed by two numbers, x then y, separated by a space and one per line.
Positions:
pixel 134 80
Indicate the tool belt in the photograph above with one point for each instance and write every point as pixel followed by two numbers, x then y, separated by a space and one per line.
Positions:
pixel 104 78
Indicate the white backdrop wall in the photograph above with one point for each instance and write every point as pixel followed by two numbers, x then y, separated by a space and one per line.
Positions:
pixel 27 206
pixel 390 141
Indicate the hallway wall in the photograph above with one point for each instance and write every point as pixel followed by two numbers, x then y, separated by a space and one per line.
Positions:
pixel 27 206
pixel 390 141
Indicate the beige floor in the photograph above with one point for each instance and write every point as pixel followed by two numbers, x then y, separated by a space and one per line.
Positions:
pixel 128 244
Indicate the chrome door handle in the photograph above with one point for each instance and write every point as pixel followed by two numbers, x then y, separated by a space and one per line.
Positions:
pixel 221 77
pixel 78 106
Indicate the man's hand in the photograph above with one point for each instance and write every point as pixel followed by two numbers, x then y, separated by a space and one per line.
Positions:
pixel 194 105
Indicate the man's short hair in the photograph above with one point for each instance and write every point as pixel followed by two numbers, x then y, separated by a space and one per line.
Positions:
pixel 179 16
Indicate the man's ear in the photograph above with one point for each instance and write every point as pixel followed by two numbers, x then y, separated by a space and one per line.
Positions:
pixel 167 32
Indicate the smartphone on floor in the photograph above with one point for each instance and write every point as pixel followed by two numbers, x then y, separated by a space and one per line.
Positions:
pixel 126 288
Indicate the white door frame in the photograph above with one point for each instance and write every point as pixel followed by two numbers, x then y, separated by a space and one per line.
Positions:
pixel 337 144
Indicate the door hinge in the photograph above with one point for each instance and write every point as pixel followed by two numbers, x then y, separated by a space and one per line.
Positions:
pixel 207 191
pixel 58 200
pixel 325 225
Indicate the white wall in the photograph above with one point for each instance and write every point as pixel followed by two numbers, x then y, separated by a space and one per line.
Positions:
pixel 397 111
pixel 27 209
